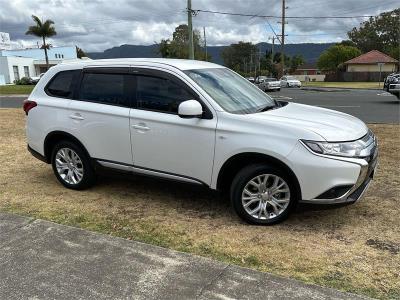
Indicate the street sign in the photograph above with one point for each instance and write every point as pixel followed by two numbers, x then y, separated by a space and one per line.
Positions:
pixel 380 64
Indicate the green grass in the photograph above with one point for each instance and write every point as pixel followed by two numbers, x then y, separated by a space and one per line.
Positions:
pixel 16 89
pixel 353 85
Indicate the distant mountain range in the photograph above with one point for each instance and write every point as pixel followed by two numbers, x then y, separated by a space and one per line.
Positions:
pixel 309 51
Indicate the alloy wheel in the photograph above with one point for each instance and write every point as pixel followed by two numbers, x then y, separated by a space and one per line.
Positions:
pixel 69 166
pixel 266 196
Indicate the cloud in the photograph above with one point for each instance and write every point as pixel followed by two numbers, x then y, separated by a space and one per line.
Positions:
pixel 96 25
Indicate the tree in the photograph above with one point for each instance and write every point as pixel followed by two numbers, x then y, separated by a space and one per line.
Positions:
pixel 43 30
pixel 178 46
pixel 238 56
pixel 79 52
pixel 378 33
pixel 333 58
pixel 278 57
pixel 295 62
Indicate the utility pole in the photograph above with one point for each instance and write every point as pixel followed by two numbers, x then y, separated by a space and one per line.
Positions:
pixel 283 37
pixel 272 53
pixel 255 65
pixel 190 29
pixel 251 62
pixel 205 42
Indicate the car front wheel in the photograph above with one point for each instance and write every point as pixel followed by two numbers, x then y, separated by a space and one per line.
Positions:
pixel 263 195
pixel 72 166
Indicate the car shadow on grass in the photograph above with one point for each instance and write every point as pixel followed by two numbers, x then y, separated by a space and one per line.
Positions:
pixel 197 201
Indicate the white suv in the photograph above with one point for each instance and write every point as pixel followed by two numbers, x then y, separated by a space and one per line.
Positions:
pixel 200 123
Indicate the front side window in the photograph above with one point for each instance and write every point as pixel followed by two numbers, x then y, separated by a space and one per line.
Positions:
pixel 63 83
pixel 231 91
pixel 105 88
pixel 160 94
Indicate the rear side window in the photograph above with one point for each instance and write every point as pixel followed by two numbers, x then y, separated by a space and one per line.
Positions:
pixel 160 94
pixel 63 83
pixel 105 88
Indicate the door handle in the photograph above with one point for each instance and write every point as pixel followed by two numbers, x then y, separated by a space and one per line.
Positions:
pixel 77 117
pixel 141 127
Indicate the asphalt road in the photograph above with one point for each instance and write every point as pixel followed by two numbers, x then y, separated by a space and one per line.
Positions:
pixel 371 106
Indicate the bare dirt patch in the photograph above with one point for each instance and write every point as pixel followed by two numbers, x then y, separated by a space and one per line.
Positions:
pixel 327 246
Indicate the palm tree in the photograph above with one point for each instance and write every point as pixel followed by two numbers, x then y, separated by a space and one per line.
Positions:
pixel 42 30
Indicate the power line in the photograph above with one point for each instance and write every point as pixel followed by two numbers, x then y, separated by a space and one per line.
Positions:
pixel 105 21
pixel 357 9
pixel 283 37
pixel 279 17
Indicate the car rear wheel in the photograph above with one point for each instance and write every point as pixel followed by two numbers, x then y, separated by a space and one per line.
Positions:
pixel 263 195
pixel 72 166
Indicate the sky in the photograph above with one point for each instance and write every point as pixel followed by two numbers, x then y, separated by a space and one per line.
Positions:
pixel 96 25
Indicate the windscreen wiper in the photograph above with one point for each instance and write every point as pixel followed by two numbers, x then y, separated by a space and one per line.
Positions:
pixel 265 108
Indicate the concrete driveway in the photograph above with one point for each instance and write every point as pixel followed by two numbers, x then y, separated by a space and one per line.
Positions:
pixel 44 260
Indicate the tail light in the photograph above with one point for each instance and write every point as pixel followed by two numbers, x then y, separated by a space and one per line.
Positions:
pixel 28 105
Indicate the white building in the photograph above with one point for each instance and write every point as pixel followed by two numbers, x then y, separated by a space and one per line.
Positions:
pixel 15 64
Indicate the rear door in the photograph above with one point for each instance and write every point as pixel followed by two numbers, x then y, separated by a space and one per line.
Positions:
pixel 100 114
pixel 161 140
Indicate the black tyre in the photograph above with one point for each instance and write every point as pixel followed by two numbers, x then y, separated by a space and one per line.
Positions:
pixel 72 166
pixel 287 84
pixel 263 194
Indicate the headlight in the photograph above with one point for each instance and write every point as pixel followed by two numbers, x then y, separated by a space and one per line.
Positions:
pixel 347 149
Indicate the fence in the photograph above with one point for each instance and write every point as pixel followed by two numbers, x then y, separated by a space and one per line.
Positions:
pixel 356 76
pixel 316 77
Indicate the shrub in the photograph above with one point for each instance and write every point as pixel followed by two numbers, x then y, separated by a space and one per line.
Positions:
pixel 23 81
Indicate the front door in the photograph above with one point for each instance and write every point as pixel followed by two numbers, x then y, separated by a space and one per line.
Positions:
pixel 161 140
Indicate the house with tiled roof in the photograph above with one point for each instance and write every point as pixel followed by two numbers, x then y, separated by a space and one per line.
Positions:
pixel 372 61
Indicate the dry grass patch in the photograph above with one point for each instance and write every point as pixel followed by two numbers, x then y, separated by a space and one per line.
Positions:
pixel 353 248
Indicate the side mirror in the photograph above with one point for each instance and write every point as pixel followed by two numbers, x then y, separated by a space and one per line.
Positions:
pixel 190 109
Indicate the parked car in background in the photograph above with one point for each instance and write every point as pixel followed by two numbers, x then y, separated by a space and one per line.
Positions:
pixel 251 79
pixel 290 81
pixel 259 81
pixel 392 78
pixel 265 83
pixel 200 123
pixel 35 79
pixel 394 88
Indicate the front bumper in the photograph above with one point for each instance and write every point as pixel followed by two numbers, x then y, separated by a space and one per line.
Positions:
pixel 394 87
pixel 356 191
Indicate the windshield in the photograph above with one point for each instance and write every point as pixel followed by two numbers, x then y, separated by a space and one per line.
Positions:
pixel 290 77
pixel 231 91
pixel 271 79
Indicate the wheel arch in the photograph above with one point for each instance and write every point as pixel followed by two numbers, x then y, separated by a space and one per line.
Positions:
pixel 54 137
pixel 238 161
